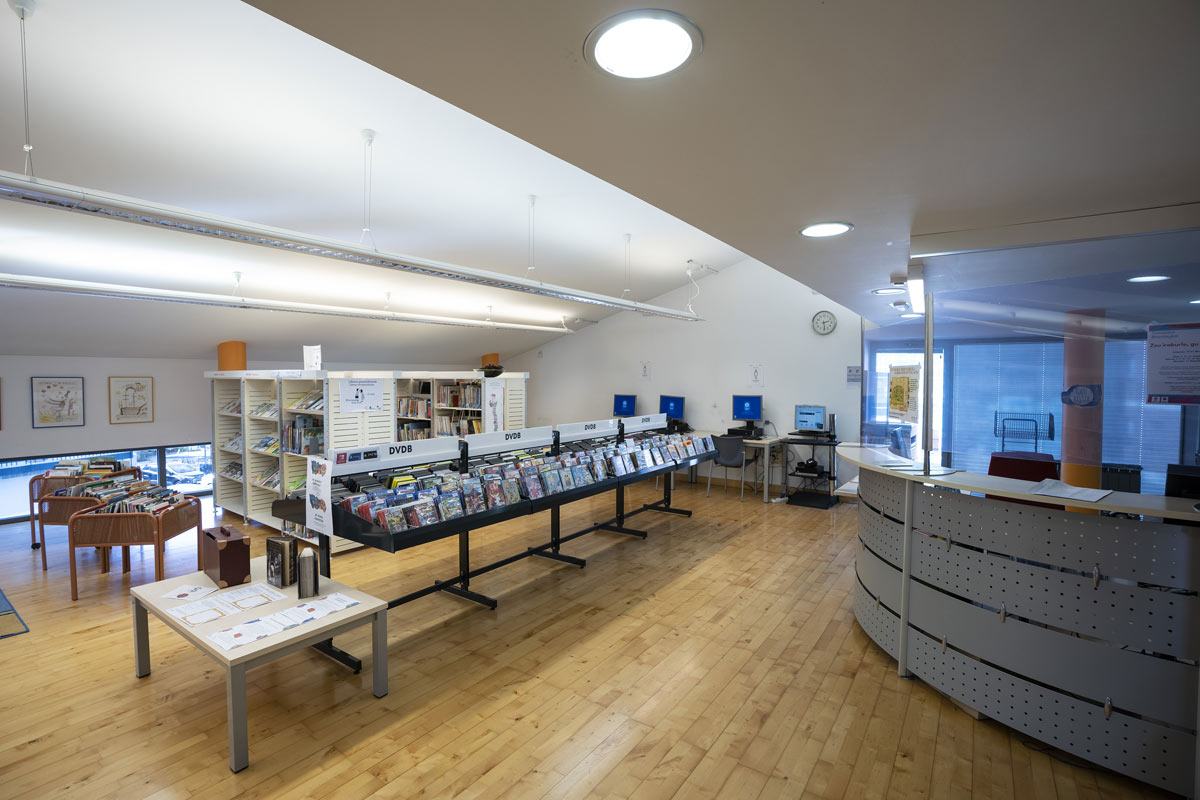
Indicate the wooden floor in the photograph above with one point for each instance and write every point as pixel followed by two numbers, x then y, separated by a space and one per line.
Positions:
pixel 719 658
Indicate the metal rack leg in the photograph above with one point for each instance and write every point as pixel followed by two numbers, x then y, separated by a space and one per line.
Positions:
pixel 461 587
pixel 327 647
pixel 556 541
pixel 619 527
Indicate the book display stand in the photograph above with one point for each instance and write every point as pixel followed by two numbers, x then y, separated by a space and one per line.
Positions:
pixel 475 450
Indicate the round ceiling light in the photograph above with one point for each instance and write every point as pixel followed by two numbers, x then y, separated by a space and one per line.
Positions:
pixel 889 290
pixel 643 44
pixel 820 230
pixel 1147 279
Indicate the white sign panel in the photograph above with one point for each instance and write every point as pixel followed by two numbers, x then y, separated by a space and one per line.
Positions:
pixel 482 444
pixel 1173 364
pixel 904 391
pixel 853 375
pixel 493 405
pixel 755 376
pixel 360 395
pixel 318 509
pixel 395 454
pixel 574 431
pixel 645 423
pixel 645 370
pixel 312 356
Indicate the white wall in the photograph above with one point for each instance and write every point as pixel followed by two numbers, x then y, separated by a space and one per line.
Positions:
pixel 752 315
pixel 182 402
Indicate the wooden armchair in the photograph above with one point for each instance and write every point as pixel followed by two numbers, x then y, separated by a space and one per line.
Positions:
pixel 87 528
pixel 52 510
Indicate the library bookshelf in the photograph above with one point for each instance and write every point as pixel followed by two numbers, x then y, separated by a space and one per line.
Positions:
pixel 265 423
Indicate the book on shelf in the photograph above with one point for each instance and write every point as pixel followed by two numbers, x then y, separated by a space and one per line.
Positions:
pixel 304 435
pixel 268 409
pixel 231 407
pixel 313 401
pixel 268 478
pixel 414 407
pixel 267 444
pixel 232 470
pixel 461 395
pixel 234 444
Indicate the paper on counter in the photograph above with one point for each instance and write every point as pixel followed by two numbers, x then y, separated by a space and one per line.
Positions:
pixel 1052 488
pixel 199 612
pixel 256 594
pixel 312 609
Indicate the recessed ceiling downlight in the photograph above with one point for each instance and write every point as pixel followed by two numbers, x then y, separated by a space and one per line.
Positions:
pixel 1147 279
pixel 820 230
pixel 643 44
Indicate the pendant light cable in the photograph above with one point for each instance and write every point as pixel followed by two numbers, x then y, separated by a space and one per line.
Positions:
pixel 368 170
pixel 628 240
pixel 23 9
pixel 532 236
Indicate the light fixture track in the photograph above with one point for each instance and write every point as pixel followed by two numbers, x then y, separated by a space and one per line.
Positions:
pixel 120 292
pixel 72 198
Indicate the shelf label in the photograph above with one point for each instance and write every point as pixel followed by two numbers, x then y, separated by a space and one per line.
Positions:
pixel 645 423
pixel 574 431
pixel 482 444
pixel 395 454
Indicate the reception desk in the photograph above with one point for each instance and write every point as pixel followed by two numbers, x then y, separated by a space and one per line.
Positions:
pixel 1078 629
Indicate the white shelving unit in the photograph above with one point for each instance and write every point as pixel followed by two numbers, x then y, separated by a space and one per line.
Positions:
pixel 464 393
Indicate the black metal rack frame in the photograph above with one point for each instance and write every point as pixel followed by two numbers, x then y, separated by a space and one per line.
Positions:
pixel 355 528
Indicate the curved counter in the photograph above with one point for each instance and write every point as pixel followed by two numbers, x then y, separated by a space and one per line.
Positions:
pixel 1080 630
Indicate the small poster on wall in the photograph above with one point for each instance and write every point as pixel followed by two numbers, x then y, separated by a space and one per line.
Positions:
pixel 130 400
pixel 904 386
pixel 56 402
pixel 1173 364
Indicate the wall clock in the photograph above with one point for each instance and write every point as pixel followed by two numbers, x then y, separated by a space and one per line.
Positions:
pixel 824 322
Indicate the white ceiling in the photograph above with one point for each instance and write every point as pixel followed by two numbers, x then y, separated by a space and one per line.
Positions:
pixel 215 106
pixel 904 118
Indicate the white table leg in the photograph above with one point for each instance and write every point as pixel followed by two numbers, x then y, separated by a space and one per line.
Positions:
pixel 235 704
pixel 141 640
pixel 379 668
pixel 766 469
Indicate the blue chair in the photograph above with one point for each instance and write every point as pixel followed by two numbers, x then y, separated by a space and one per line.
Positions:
pixel 731 452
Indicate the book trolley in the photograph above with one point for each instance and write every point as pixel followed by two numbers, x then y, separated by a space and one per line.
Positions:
pixel 469 451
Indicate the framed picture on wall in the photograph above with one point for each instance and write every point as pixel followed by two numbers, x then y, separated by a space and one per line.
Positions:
pixel 130 399
pixel 56 402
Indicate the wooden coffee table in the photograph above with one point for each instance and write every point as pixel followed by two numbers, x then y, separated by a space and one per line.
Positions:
pixel 149 598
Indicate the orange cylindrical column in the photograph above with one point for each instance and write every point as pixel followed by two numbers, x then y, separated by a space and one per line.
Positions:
pixel 231 355
pixel 1082 430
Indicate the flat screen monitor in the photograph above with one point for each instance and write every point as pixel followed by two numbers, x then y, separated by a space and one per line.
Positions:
pixel 624 405
pixel 747 407
pixel 810 418
pixel 1183 480
pixel 671 405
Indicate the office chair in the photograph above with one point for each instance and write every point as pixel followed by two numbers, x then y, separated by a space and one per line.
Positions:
pixel 731 452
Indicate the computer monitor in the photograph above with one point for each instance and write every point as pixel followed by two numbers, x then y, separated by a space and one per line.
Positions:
pixel 1183 480
pixel 747 407
pixel 810 419
pixel 624 405
pixel 671 405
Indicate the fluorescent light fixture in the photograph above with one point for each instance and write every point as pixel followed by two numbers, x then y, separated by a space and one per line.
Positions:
pixel 821 230
pixel 1148 279
pixel 916 294
pixel 226 301
pixel 64 196
pixel 889 290
pixel 911 315
pixel 1194 302
pixel 643 43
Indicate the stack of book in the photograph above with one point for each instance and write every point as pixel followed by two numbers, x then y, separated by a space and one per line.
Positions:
pixel 124 495
pixel 305 435
pixel 267 478
pixel 267 444
pixel 233 471
pixel 313 401
pixel 234 444
pixel 269 409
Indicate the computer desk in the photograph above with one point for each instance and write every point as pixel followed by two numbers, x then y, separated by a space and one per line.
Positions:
pixel 766 443
pixel 831 469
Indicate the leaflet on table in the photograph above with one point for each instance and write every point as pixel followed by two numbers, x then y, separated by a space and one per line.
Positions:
pixel 226 604
pixel 1052 488
pixel 312 609
pixel 188 592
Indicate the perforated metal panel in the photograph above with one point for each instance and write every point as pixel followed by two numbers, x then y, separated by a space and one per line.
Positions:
pixel 1167 555
pixel 1161 688
pixel 1153 753
pixel 878 622
pixel 1145 618
pixel 884 536
pixel 882 492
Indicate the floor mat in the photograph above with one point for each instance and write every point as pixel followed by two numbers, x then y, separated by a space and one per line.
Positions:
pixel 10 621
